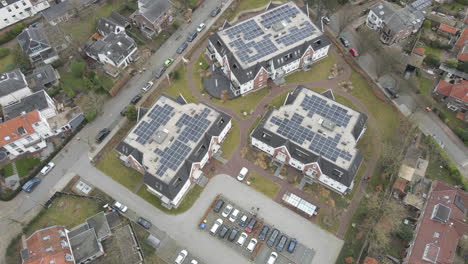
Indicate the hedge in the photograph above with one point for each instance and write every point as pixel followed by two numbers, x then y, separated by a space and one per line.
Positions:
pixel 12 33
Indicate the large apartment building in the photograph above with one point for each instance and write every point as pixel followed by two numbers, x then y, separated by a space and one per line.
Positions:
pixel 316 135
pixel 13 11
pixel 171 144
pixel 270 45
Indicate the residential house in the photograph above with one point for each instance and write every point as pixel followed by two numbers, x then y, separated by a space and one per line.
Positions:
pixel 44 77
pixel 115 50
pixel 25 133
pixel 316 135
pixel 394 23
pixel 462 44
pixel 14 11
pixel 48 245
pixel 171 144
pixel 446 30
pixel 115 23
pixel 440 227
pixel 270 45
pixel 40 101
pixel 64 10
pixel 13 87
pixel 152 16
pixel 455 96
pixel 33 41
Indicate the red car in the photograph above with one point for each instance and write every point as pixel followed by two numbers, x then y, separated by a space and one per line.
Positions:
pixel 353 52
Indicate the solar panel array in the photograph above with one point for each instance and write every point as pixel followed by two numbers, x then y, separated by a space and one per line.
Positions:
pixel 252 51
pixel 292 129
pixel 159 115
pixel 195 126
pixel 284 12
pixel 421 4
pixel 249 30
pixel 314 104
pixel 296 34
pixel 172 157
pixel 327 147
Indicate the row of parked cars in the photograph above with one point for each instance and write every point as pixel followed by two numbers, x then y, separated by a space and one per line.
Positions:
pixel 32 183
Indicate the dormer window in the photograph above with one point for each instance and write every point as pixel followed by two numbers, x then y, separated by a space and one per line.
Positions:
pixel 234 66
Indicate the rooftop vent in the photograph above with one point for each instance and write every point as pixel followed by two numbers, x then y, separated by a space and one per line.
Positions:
pixel 381 13
pixel 380 6
pixel 278 27
pixel 328 124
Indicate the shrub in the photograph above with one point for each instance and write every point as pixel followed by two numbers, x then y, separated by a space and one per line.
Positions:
pixel 405 233
pixel 22 60
pixel 131 113
pixel 175 75
pixel 68 91
pixel 58 63
pixel 451 63
pixel 4 52
pixel 427 24
pixel 12 33
pixel 463 66
pixel 78 68
pixel 432 60
pixel 462 134
pixel 90 114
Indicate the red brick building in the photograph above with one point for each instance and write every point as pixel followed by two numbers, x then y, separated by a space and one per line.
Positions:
pixel 455 96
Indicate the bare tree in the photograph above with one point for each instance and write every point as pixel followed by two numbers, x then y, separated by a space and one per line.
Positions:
pixel 368 41
pixel 388 60
pixel 344 18
pixel 322 7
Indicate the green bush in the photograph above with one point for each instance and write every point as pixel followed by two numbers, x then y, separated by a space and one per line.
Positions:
pixel 463 66
pixel 427 24
pixel 90 114
pixel 462 134
pixel 432 60
pixel 68 91
pixel 11 34
pixel 175 75
pixel 131 113
pixel 78 68
pixel 451 63
pixel 4 52
pixel 58 63
pixel 22 60
pixel 405 233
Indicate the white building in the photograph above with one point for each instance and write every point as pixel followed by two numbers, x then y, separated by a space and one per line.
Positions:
pixel 270 45
pixel 36 101
pixel 26 133
pixel 13 87
pixel 13 11
pixel 171 144
pixel 316 135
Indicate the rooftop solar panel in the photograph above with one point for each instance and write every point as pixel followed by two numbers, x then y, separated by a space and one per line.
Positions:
pixel 314 104
pixel 158 116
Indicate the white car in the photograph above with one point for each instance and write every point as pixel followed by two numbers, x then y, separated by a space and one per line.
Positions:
pixel 272 258
pixel 193 262
pixel 227 210
pixel 47 168
pixel 234 215
pixel 241 239
pixel 242 174
pixel 181 257
pixel 122 208
pixel 147 86
pixel 216 226
pixel 251 245
pixel 201 27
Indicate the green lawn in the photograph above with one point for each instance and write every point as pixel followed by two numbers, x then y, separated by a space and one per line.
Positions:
pixel 244 103
pixel 111 165
pixel 430 50
pixel 425 84
pixel 263 184
pixel 7 170
pixel 180 86
pixel 453 6
pixel 319 71
pixel 232 141
pixel 70 81
pixel 278 101
pixel 199 65
pixel 186 203
pixel 7 63
pixel 26 165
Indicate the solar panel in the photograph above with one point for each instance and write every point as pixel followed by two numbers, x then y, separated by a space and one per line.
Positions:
pixel 296 34
pixel 292 129
pixel 314 104
pixel 421 4
pixel 284 12
pixel 248 30
pixel 158 116
pixel 327 147
pixel 172 157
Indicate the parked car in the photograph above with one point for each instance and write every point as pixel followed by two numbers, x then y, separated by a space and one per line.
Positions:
pixel 192 36
pixel 147 86
pixel 47 168
pixel 181 257
pixel 216 226
pixel 251 245
pixel 234 215
pixel 263 234
pixel 282 243
pixel 194 261
pixel 292 245
pixel 391 91
pixel 326 20
pixel 344 41
pixel 102 135
pixel 241 239
pixel 182 47
pixel 249 228
pixel 168 62
pixel 243 221
pixel 124 111
pixel 233 234
pixel 215 11
pixel 227 210
pixel 160 72
pixel 122 208
pixel 31 184
pixel 354 52
pixel 201 27
pixel 272 258
pixel 243 172
pixel 218 205
pixel 224 231
pixel 144 223
pixel 273 236
pixel 136 99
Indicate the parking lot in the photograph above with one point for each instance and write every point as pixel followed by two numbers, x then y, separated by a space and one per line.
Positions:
pixel 261 253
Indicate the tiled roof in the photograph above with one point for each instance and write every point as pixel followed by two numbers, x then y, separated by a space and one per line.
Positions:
pixel 448 29
pixel 436 241
pixel 419 51
pixel 463 53
pixel 463 39
pixel 17 128
pixel 444 88
pixel 48 245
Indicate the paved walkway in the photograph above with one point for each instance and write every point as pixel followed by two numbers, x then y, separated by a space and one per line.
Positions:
pixel 233 166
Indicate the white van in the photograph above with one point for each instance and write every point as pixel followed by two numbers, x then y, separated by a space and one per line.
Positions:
pixel 216 226
pixel 242 174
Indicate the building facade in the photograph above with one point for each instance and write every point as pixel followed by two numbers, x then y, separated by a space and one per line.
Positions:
pixel 14 11
pixel 152 16
pixel 455 96
pixel 13 87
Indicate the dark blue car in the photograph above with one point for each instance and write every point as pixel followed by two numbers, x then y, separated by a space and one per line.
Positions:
pixel 31 184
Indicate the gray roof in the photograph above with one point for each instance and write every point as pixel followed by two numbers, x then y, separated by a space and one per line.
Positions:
pixel 113 219
pixel 44 75
pixel 11 82
pixel 397 18
pixel 107 25
pixel 100 225
pixel 115 46
pixel 33 39
pixel 153 9
pixel 119 19
pixel 58 10
pixel 84 245
pixel 35 101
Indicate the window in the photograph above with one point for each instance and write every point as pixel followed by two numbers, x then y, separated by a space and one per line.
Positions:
pixel 21 13
pixel 6 20
pixel 19 150
pixel 436 234
pixel 23 3
pixel 9 9
pixel 13 16
pixel 29 138
pixel 13 145
pixel 36 147
pixel 16 6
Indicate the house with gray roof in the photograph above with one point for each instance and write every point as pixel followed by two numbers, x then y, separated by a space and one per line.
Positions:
pixel 63 11
pixel 316 135
pixel 13 87
pixel 40 101
pixel 152 16
pixel 33 41
pixel 171 144
pixel 394 23
pixel 115 23
pixel 44 77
